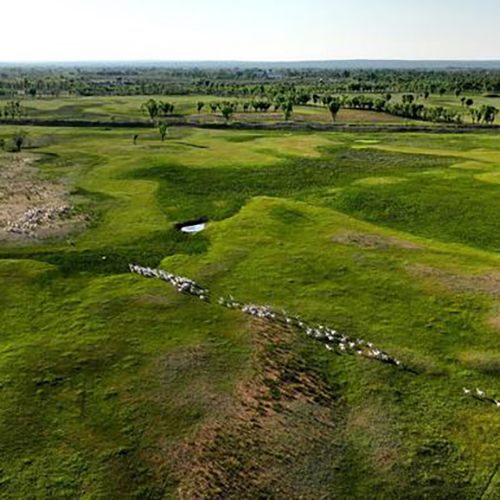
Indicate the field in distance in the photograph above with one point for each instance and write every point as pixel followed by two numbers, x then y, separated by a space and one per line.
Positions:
pixel 131 109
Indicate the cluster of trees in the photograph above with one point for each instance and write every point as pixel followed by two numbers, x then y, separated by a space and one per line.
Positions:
pixel 238 82
pixel 13 110
pixel 421 112
pixel 408 108
pixel 228 108
pixel 486 115
pixel 258 105
pixel 155 109
pixel 261 105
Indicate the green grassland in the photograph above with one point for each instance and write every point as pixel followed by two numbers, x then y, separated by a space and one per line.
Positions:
pixel 123 109
pixel 106 378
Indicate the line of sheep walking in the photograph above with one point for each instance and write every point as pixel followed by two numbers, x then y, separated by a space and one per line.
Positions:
pixel 182 285
pixel 334 341
pixel 481 395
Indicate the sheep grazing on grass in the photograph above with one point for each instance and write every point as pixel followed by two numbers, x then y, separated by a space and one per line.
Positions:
pixel 34 218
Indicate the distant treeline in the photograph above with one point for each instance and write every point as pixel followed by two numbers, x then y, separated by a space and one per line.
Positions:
pixel 149 81
pixel 409 107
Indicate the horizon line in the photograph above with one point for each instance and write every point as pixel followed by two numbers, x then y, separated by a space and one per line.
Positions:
pixel 250 61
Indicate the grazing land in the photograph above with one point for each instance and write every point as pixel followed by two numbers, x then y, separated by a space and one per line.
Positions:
pixel 113 386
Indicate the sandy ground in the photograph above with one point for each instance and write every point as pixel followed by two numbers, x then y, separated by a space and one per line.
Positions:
pixel 31 208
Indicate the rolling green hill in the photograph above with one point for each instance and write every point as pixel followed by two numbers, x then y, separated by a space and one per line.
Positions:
pixel 113 386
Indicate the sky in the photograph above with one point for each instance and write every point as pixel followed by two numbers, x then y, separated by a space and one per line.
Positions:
pixel 256 30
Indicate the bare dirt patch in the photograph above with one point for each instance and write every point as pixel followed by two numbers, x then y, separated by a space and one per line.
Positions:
pixel 268 445
pixel 32 208
pixel 373 241
pixel 488 283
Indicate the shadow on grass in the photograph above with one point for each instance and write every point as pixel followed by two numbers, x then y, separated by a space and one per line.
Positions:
pixel 149 251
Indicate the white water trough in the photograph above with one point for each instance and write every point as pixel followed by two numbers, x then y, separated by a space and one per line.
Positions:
pixel 193 225
pixel 194 229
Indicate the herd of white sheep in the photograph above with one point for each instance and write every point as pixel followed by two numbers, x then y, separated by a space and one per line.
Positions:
pixel 334 341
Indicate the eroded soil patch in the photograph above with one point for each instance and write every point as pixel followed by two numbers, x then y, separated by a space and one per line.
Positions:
pixel 278 441
pixel 488 283
pixel 373 241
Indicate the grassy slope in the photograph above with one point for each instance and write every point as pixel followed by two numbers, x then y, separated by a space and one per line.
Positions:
pixel 103 375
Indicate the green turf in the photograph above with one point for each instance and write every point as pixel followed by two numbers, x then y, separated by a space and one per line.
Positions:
pixel 104 375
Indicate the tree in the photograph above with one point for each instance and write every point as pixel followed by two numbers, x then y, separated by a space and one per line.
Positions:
pixel 380 105
pixel 134 139
pixel 19 140
pixel 200 106
pixel 287 108
pixel 334 108
pixel 469 102
pixel 165 108
pixel 227 109
pixel 489 114
pixel 14 110
pixel 327 99
pixel 475 115
pixel 163 129
pixel 151 108
pixel 303 99
pixel 408 98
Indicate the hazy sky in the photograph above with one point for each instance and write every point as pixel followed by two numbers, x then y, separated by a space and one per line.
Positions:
pixel 264 30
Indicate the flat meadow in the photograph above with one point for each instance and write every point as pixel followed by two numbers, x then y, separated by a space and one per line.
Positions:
pixel 128 109
pixel 116 386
